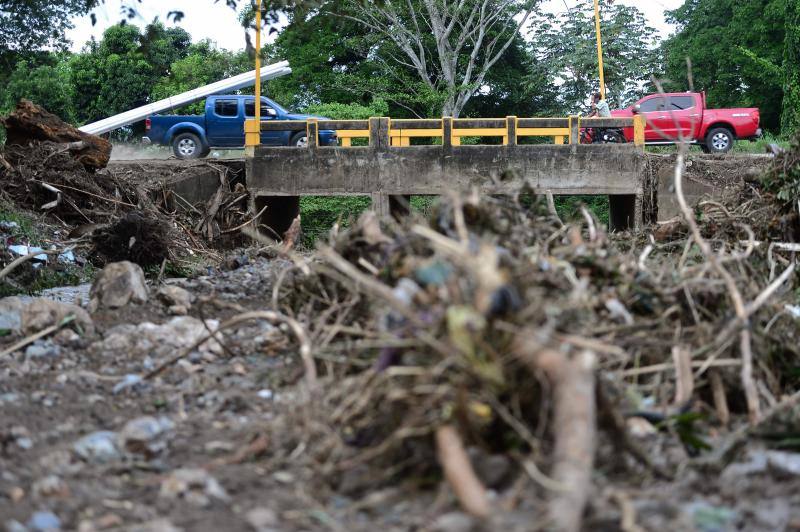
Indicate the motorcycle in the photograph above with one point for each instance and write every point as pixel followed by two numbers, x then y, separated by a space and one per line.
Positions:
pixel 608 135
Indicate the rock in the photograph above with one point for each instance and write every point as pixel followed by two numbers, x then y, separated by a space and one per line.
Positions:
pixel 708 518
pixel 159 525
pixel 9 398
pixel 43 349
pixel 760 461
pixel 453 522
pixel 195 486
pixel 60 462
pixel 11 314
pixel 639 427
pixel 118 285
pixel 66 337
pixel 15 494
pixel 176 298
pixel 129 381
pixel 98 447
pixel 788 463
pixel 494 470
pixel 105 522
pixel 42 313
pixel 146 435
pixel 149 339
pixel 262 520
pixel 15 526
pixel 44 522
pixel 20 436
pixel 51 486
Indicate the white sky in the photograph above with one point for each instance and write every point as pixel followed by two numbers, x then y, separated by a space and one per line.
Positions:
pixel 216 21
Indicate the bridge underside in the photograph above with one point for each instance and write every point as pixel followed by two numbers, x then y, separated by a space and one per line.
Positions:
pixel 613 170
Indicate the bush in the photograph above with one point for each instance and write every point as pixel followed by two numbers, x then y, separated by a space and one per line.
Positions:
pixel 352 111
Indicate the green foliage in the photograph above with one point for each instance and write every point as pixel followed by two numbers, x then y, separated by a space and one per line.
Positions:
pixel 344 63
pixel 47 85
pixel 203 64
pixel 353 111
pixel 30 27
pixel 790 116
pixel 119 73
pixel 566 45
pixel 760 145
pixel 319 213
pixel 734 48
pixel 569 207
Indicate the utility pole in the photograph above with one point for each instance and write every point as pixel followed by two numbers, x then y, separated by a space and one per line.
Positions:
pixel 258 66
pixel 599 49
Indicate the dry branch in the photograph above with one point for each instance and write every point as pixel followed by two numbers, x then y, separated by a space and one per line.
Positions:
pixel 459 473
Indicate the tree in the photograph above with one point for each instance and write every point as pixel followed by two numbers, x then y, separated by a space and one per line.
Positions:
pixel 203 64
pixel 450 46
pixel 31 26
pixel 333 66
pixel 736 50
pixel 46 85
pixel 566 45
pixel 118 73
pixel 790 116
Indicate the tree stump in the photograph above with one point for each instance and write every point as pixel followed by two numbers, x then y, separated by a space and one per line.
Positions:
pixel 32 123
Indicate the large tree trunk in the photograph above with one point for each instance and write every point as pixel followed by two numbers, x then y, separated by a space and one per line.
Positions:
pixel 31 123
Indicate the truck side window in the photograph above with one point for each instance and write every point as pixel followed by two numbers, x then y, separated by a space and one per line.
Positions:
pixel 681 103
pixel 250 108
pixel 226 108
pixel 652 105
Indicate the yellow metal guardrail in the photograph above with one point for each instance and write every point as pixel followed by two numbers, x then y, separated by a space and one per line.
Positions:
pixel 401 131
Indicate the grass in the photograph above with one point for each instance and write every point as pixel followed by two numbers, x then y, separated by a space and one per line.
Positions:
pixel 760 145
pixel 741 146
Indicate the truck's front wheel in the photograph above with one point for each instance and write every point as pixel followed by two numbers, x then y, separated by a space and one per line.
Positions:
pixel 300 140
pixel 719 140
pixel 187 146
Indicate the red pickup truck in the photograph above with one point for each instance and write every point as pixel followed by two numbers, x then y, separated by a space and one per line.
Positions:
pixel 715 130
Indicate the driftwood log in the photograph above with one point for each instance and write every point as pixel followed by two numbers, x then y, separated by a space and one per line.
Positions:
pixel 32 123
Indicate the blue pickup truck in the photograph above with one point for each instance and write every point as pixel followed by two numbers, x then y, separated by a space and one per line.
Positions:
pixel 193 137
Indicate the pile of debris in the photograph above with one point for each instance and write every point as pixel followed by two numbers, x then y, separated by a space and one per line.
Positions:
pixel 493 327
pixel 49 166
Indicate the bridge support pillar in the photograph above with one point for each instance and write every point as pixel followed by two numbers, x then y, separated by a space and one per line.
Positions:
pixel 624 212
pixel 390 204
pixel 279 214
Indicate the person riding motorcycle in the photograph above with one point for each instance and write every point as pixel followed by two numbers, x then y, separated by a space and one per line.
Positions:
pixel 600 109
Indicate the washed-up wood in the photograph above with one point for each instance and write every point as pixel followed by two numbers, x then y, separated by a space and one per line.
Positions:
pixel 32 123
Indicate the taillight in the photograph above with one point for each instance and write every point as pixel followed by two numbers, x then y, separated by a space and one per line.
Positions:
pixel 147 124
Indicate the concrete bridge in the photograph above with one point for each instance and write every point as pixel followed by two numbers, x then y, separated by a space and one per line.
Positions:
pixel 388 166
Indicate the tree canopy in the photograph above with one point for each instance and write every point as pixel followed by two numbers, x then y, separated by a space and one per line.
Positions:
pixel 736 50
pixel 566 46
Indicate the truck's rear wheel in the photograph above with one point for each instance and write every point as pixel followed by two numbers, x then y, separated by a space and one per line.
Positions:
pixel 719 140
pixel 187 146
